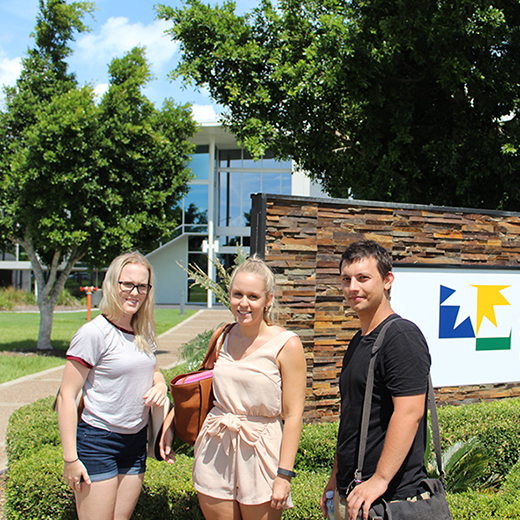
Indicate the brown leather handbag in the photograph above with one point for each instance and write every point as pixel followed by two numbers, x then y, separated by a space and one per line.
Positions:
pixel 192 393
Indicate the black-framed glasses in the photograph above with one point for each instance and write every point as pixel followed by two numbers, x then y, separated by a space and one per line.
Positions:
pixel 142 288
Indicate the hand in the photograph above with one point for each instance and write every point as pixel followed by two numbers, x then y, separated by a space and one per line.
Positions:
pixel 281 490
pixel 157 395
pixel 364 495
pixel 331 485
pixel 165 445
pixel 72 472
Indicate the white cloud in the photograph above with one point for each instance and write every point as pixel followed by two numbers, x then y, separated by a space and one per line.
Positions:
pixel 118 36
pixel 99 90
pixel 10 70
pixel 204 113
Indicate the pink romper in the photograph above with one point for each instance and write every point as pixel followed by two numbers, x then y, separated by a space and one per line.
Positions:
pixel 238 448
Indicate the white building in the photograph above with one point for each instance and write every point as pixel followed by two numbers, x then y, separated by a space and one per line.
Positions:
pixel 216 211
pixel 13 271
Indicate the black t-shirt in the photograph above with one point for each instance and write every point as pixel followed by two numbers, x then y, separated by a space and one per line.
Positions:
pixel 401 369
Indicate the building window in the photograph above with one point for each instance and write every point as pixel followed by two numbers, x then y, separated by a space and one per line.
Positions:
pixel 199 164
pixel 239 176
pixel 196 294
pixel 195 214
pixel 234 241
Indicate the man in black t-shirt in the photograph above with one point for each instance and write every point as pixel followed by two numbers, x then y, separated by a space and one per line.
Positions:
pixel 394 459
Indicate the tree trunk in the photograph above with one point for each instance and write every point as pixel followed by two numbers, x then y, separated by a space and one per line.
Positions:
pixel 50 289
pixel 44 336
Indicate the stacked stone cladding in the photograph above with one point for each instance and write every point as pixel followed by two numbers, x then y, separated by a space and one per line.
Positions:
pixel 304 241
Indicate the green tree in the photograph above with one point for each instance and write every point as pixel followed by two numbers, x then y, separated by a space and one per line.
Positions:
pixel 80 180
pixel 404 101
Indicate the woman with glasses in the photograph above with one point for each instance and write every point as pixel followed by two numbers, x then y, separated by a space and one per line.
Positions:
pixel 111 363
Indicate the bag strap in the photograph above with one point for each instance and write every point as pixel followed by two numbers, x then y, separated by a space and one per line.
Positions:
pixel 367 401
pixel 216 340
pixel 367 405
pixel 435 430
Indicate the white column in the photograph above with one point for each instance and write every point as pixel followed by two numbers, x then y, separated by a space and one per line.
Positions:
pixel 211 218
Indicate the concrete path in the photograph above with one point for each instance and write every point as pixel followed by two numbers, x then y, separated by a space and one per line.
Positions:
pixel 28 389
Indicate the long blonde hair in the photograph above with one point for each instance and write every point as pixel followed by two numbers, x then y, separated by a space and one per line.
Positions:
pixel 143 321
pixel 255 265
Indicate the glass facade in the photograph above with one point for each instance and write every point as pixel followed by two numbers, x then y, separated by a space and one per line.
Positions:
pixel 236 177
pixel 196 209
pixel 200 162
pixel 196 294
pixel 239 176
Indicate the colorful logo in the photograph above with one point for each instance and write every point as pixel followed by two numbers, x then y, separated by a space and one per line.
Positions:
pixel 488 297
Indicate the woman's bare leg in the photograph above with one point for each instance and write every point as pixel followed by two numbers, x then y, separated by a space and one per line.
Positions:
pixel 97 501
pixel 129 487
pixel 112 499
pixel 260 512
pixel 218 509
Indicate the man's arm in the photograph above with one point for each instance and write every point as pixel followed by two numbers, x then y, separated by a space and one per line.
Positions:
pixel 402 428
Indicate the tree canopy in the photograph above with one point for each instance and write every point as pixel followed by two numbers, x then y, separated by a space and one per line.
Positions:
pixel 404 101
pixel 81 179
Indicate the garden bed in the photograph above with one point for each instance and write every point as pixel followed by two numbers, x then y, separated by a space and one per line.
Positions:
pixel 36 491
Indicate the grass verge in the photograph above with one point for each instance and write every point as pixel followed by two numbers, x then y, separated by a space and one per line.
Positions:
pixel 15 365
pixel 20 334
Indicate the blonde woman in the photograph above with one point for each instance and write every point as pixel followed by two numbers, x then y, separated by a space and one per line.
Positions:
pixel 244 454
pixel 111 362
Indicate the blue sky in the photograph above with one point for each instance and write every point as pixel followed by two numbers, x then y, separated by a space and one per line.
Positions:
pixel 117 26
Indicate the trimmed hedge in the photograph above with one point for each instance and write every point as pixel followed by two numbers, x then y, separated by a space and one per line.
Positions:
pixel 30 428
pixel 317 447
pixel 496 424
pixel 504 505
pixel 36 491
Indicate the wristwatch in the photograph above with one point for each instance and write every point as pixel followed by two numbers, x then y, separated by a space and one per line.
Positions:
pixel 286 472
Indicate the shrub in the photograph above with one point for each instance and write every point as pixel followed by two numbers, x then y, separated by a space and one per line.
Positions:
pixel 170 373
pixel 66 298
pixel 10 298
pixel 494 424
pixel 35 490
pixel 194 351
pixel 168 492
pixel 30 428
pixel 317 447
pixel 504 505
pixel 306 490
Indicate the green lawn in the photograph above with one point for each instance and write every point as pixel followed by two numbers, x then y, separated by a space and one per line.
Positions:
pixel 20 333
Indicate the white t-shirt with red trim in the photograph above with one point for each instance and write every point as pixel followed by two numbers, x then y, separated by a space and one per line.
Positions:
pixel 119 376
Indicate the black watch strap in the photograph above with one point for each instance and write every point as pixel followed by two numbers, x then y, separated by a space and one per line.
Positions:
pixel 286 472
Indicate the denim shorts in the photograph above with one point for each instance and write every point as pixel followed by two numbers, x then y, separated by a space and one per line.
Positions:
pixel 107 454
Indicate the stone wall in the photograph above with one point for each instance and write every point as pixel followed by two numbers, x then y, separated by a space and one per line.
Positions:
pixel 304 239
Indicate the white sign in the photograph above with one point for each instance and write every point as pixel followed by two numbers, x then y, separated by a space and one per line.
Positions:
pixel 470 318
